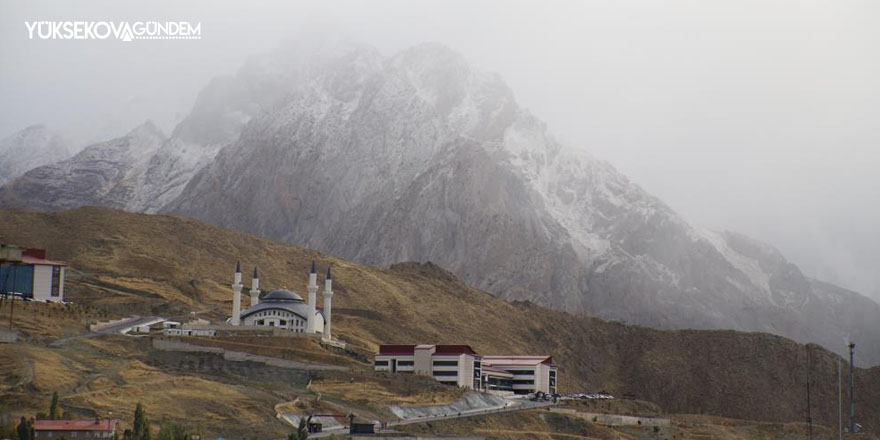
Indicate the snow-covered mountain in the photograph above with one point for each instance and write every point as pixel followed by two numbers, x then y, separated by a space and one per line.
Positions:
pixel 145 169
pixel 418 156
pixel 106 174
pixel 29 148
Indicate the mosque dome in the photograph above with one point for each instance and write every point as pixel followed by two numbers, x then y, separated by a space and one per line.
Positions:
pixel 282 295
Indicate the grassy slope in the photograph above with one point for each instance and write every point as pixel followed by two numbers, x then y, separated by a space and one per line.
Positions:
pixel 139 263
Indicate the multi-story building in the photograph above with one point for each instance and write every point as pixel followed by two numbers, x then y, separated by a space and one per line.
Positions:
pixel 26 273
pixel 460 365
pixel 449 364
pixel 527 373
pixel 74 429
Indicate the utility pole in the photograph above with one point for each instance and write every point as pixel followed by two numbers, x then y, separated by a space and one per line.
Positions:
pixel 13 268
pixel 809 407
pixel 839 405
pixel 852 396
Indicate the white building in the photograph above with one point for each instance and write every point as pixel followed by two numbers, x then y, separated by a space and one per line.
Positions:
pixel 460 365
pixel 527 374
pixel 284 309
pixel 27 273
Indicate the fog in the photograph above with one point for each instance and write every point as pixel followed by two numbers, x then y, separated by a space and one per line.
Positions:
pixel 757 116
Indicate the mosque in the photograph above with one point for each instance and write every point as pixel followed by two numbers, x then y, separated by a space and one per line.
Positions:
pixel 283 309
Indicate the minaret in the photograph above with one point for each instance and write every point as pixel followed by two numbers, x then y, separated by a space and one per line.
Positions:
pixel 236 298
pixel 313 291
pixel 255 288
pixel 328 297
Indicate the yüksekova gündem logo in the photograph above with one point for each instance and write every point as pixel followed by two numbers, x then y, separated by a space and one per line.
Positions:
pixel 110 30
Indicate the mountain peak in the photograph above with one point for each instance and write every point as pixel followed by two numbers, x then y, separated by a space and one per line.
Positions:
pixel 147 130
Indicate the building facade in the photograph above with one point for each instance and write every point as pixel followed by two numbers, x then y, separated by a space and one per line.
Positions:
pixel 28 274
pixel 283 309
pixel 460 365
pixel 527 374
pixel 74 429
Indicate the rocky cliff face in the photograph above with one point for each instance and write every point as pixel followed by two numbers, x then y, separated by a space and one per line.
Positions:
pixel 106 174
pixel 29 148
pixel 420 157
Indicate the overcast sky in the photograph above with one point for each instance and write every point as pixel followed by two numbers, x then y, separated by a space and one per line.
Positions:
pixel 757 116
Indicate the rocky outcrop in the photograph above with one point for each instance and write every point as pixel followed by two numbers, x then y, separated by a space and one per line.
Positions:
pixel 419 157
pixel 29 148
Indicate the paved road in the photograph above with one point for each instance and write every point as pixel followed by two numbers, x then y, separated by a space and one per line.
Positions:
pixel 120 328
pixel 127 326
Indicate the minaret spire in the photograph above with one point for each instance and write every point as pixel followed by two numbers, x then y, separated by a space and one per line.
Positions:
pixel 328 306
pixel 313 292
pixel 236 295
pixel 255 288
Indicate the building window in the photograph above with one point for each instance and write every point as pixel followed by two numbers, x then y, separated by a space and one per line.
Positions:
pixel 283 322
pixel 522 372
pixel 523 382
pixel 18 279
pixel 56 280
pixel 445 363
pixel 261 322
pixel 381 363
pixel 405 363
pixel 445 373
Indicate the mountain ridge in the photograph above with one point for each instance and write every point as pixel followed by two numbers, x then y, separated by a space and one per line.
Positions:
pixel 418 156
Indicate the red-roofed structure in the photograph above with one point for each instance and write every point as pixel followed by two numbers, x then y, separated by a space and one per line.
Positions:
pixel 462 366
pixel 33 276
pixel 75 429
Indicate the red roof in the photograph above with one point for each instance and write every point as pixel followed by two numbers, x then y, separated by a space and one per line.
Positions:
pixel 399 350
pixel 454 349
pixel 26 259
pixel 36 253
pixel 75 425
pixel 517 360
pixel 38 256
pixel 409 350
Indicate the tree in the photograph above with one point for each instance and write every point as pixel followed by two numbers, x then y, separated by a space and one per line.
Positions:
pixel 172 431
pixel 53 407
pixel 302 431
pixel 147 434
pixel 141 424
pixel 23 432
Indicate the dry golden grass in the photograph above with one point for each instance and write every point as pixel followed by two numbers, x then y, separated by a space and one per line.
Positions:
pixel 383 394
pixel 92 381
pixel 299 349
pixel 541 424
pixel 172 266
pixel 47 321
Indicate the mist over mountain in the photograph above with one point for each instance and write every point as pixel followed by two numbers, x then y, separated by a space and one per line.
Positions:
pixel 29 148
pixel 419 156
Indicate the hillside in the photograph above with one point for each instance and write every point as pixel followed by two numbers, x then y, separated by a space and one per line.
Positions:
pixel 419 156
pixel 141 263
